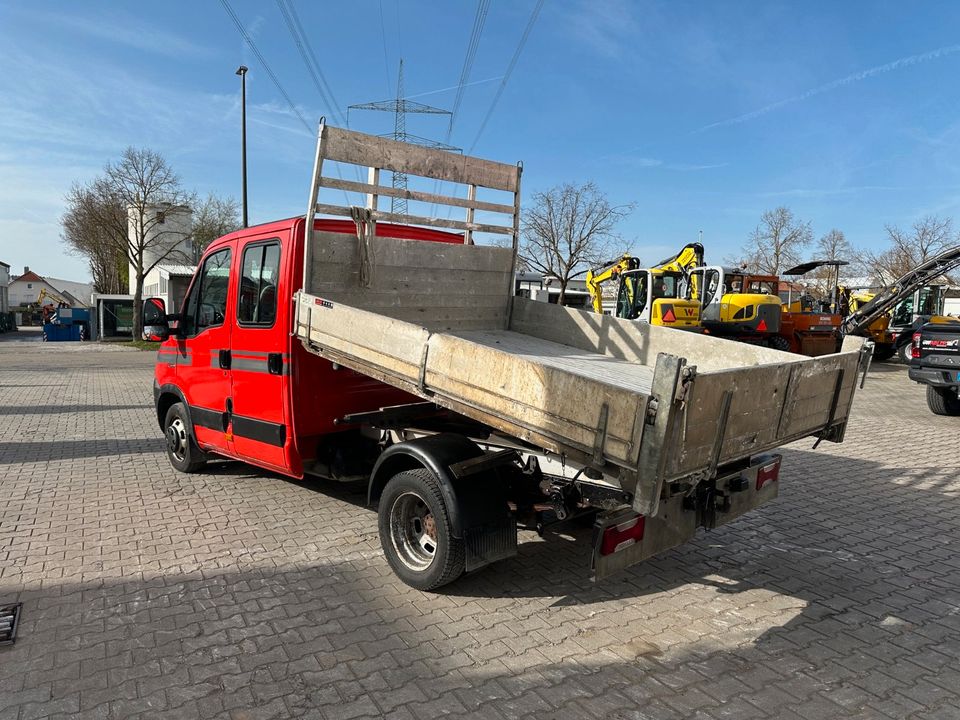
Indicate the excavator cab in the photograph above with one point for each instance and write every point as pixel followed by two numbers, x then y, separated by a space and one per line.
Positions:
pixel 656 297
pixel 736 304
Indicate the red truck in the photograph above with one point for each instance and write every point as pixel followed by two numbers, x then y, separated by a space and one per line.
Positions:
pixel 382 348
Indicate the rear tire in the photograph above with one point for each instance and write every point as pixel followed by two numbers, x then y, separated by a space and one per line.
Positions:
pixel 779 342
pixel 415 531
pixel 182 450
pixel 943 401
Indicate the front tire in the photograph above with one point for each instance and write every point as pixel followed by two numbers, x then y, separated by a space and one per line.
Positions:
pixel 415 531
pixel 182 450
pixel 943 401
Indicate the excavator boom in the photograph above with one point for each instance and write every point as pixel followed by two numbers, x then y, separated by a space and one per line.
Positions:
pixel 689 257
pixel 607 271
pixel 904 286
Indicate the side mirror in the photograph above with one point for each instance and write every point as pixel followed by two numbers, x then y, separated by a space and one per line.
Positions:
pixel 155 326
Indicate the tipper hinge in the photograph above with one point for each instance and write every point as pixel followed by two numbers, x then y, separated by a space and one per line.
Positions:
pixel 687 375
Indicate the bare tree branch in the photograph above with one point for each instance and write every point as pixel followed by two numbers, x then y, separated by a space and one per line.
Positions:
pixel 569 229
pixel 111 215
pixel 776 244
pixel 927 237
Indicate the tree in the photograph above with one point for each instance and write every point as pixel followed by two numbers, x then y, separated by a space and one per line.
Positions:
pixel 138 182
pixel 832 246
pixel 567 230
pixel 85 235
pixel 213 217
pixel 927 237
pixel 776 244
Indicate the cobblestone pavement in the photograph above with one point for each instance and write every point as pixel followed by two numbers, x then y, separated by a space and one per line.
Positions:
pixel 238 594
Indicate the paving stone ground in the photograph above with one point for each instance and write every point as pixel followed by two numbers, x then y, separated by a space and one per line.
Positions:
pixel 241 595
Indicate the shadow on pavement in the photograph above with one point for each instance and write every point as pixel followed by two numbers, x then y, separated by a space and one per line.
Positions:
pixel 62 409
pixel 58 450
pixel 842 597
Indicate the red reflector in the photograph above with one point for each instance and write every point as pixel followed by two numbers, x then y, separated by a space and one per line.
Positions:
pixel 762 327
pixel 668 316
pixel 768 473
pixel 623 535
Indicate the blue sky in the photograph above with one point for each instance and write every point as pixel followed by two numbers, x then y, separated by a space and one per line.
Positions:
pixel 703 114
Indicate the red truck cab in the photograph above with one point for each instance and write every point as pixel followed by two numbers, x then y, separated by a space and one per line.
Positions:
pixel 232 379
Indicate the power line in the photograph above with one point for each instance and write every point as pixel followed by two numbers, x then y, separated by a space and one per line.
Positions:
pixel 383 35
pixel 317 74
pixel 399 37
pixel 263 62
pixel 472 44
pixel 510 67
pixel 483 7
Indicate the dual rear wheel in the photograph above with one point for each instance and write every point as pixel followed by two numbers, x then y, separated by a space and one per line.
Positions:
pixel 416 533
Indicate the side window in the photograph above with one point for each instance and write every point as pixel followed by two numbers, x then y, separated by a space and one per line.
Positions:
pixel 257 296
pixel 206 306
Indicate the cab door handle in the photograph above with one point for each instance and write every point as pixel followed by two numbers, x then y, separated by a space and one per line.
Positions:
pixel 225 359
pixel 275 363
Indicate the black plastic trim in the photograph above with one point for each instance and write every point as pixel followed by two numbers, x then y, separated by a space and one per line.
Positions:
pixel 260 430
pixel 204 417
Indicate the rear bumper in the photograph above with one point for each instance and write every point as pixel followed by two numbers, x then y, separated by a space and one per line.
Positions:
pixel 935 377
pixel 728 497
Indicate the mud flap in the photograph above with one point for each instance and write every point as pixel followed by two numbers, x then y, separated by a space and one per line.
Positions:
pixel 489 528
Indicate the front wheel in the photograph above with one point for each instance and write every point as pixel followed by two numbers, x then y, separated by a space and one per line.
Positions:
pixel 182 450
pixel 943 401
pixel 415 531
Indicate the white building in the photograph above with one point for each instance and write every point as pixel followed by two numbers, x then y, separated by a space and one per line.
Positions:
pixel 4 287
pixel 170 283
pixel 25 290
pixel 167 241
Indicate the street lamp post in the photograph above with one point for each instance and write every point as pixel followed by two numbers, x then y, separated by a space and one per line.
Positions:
pixel 242 72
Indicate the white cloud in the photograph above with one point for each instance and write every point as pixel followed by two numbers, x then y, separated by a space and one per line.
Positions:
pixel 605 26
pixel 646 162
pixel 125 29
pixel 839 83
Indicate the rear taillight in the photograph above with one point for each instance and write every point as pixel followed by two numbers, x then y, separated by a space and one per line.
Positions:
pixel 915 346
pixel 768 473
pixel 622 535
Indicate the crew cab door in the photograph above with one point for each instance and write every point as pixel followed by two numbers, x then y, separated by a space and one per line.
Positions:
pixel 203 342
pixel 260 358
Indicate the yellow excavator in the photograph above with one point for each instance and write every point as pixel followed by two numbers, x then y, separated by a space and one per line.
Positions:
pixel 737 304
pixel 44 294
pixel 655 295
